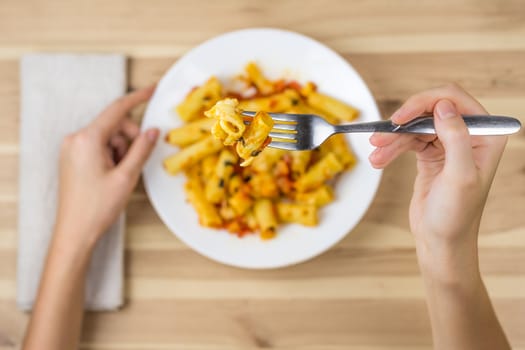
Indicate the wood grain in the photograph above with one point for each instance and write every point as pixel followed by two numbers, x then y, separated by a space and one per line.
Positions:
pixel 366 292
pixel 165 28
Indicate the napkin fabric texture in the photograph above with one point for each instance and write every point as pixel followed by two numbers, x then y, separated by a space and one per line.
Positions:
pixel 61 93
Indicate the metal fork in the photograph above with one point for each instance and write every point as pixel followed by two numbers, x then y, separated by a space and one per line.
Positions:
pixel 297 132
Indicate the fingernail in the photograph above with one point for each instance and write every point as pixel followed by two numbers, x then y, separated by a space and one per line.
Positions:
pixel 445 109
pixel 394 115
pixel 152 134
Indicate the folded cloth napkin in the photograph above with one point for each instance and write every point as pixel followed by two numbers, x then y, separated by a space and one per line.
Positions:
pixel 61 93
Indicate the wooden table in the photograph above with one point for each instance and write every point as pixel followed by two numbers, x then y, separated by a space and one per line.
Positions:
pixel 366 292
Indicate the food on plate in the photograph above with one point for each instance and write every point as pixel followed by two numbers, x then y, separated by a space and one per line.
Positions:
pixel 317 174
pixel 234 181
pixel 192 154
pixel 333 110
pixel 190 133
pixel 200 99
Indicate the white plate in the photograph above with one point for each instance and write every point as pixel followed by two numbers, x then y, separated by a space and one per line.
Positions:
pixel 279 54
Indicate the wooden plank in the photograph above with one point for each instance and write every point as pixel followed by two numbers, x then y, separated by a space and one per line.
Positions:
pixel 12 325
pixel 9 100
pixel 371 235
pixel 249 323
pixel 9 178
pixel 377 26
pixel 245 323
pixel 394 77
pixel 495 74
pixel 380 287
pixel 383 323
pixel 176 346
pixel 340 261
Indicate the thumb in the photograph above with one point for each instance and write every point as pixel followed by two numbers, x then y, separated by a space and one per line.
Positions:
pixel 454 136
pixel 138 153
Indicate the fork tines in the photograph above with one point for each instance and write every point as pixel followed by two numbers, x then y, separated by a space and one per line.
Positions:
pixel 284 131
pixel 282 117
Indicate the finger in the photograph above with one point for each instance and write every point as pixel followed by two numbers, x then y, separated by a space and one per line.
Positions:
pixel 424 103
pixel 383 139
pixel 382 156
pixel 120 144
pixel 140 149
pixel 129 128
pixel 454 136
pixel 109 120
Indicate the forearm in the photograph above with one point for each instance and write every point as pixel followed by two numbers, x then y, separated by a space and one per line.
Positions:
pixel 57 314
pixel 460 310
pixel 99 167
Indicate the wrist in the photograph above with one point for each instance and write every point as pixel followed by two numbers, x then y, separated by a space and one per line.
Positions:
pixel 453 264
pixel 82 226
pixel 65 260
pixel 73 243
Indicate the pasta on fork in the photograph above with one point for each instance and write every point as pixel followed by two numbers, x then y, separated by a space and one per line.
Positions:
pixel 234 181
pixel 229 128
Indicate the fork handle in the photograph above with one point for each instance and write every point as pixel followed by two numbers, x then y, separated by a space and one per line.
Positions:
pixel 476 124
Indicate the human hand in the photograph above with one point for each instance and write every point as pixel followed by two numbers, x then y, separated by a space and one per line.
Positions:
pixel 454 173
pixel 99 169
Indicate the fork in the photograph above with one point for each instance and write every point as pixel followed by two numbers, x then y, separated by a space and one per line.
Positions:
pixel 298 132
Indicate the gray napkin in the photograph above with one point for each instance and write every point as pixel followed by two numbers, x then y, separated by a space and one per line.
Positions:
pixel 61 93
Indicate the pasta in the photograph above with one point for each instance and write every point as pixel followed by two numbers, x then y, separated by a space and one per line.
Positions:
pixel 229 128
pixel 256 77
pixel 255 138
pixel 305 214
pixel 234 181
pixel 338 146
pixel 229 125
pixel 208 214
pixel 265 217
pixel 200 99
pixel 192 154
pixel 300 161
pixel 217 180
pixel 319 197
pixel 280 102
pixel 190 133
pixel 335 109
pixel 320 172
pixel 263 185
